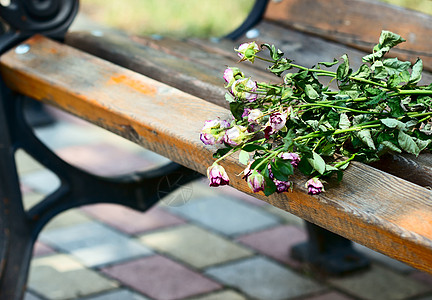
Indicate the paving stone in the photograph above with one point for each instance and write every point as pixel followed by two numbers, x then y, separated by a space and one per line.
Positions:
pixel 384 259
pixel 227 216
pixel 94 245
pixel 161 278
pixel 98 159
pixel 222 295
pixel 329 296
pixel 61 277
pixel 120 294
pixel 40 249
pixel 286 217
pixel 422 277
pixel 25 163
pixel 262 278
pixel 195 246
pixel 42 181
pixel 276 242
pixel 131 221
pixel 30 296
pixel 31 198
pixel 65 134
pixel 67 218
pixel 380 283
pixel 231 192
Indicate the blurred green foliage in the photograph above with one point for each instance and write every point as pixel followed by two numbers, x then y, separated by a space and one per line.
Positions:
pixel 424 6
pixel 200 18
pixel 185 18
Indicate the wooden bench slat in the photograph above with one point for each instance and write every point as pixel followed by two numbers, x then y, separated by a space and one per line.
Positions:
pixel 358 23
pixel 198 73
pixel 376 209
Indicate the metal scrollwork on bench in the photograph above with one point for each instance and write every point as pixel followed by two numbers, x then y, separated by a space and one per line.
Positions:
pixel 19 228
pixel 27 17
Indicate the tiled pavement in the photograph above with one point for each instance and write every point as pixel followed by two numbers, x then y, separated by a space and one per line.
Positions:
pixel 198 244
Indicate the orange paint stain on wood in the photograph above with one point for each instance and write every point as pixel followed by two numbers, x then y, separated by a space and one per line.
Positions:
pixel 417 221
pixel 132 83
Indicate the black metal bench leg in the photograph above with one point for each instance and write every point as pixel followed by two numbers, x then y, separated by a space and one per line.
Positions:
pixel 19 228
pixel 328 252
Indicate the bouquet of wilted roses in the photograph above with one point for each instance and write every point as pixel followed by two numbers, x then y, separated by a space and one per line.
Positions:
pixel 301 123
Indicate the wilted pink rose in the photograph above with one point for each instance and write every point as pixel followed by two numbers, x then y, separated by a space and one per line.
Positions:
pixel 247 51
pixel 213 131
pixel 217 175
pixel 255 181
pixel 255 116
pixel 244 88
pixel 235 135
pixel 275 123
pixel 314 186
pixel 293 157
pixel 282 186
pixel 228 75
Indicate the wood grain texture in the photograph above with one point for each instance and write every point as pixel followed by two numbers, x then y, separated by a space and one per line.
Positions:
pixel 358 23
pixel 173 62
pixel 381 211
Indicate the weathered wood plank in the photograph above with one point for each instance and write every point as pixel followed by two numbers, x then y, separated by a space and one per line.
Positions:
pixel 358 23
pixel 173 62
pixel 376 209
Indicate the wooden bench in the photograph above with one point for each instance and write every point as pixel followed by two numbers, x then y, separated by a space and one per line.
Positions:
pixel 158 93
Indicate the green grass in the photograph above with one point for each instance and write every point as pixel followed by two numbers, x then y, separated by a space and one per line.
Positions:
pixel 200 18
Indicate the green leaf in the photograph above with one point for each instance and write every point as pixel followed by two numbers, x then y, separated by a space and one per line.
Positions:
pixel 221 152
pixel 417 70
pixel 365 136
pixel 284 166
pixel 256 162
pixel 244 157
pixel 344 122
pixel 343 70
pixel 329 64
pixel 391 146
pixel 269 186
pixel 407 143
pixel 393 123
pixel 237 109
pixel 389 39
pixel 229 98
pixel 395 66
pixel 305 167
pixel 363 72
pixel 379 71
pixel 311 92
pixel 252 147
pixel 317 162
pixel 422 144
pixel 278 173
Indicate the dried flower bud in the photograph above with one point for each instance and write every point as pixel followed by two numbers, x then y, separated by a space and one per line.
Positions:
pixel 217 175
pixel 255 181
pixel 314 186
pixel 248 51
pixel 235 135
pixel 293 157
